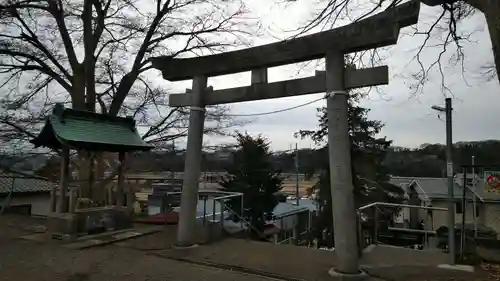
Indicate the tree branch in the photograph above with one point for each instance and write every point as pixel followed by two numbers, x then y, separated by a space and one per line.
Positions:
pixel 129 79
pixel 56 9
pixel 42 66
pixel 33 40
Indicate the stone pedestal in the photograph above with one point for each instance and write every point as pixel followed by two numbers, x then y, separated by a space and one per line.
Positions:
pixel 110 217
pixel 82 221
pixel 64 223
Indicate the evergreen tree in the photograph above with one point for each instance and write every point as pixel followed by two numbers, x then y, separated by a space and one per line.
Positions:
pixel 370 178
pixel 251 172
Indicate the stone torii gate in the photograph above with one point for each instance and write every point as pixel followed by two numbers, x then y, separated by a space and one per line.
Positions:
pixel 373 32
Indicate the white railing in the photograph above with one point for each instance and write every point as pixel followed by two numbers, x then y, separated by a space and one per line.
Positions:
pixel 400 205
pixel 376 220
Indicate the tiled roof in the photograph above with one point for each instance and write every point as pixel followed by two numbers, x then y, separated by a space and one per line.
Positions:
pixel 284 209
pixel 23 184
pixel 486 195
pixel 402 182
pixel 398 181
pixel 437 188
pixel 90 131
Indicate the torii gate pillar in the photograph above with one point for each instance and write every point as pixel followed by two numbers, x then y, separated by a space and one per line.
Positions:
pixel 344 212
pixel 192 168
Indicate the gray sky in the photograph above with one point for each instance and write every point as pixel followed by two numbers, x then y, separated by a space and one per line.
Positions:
pixel 408 119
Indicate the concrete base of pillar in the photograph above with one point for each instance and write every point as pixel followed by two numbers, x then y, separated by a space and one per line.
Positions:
pixel 348 277
pixel 68 238
pixel 177 247
pixel 460 267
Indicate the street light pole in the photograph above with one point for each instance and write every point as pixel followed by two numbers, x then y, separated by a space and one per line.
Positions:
pixel 449 174
pixel 474 210
pixel 297 174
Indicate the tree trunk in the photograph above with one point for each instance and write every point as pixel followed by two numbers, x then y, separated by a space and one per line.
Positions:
pixel 78 102
pixel 493 20
pixel 491 10
pixel 102 160
pixel 83 174
pixel 83 98
pixel 100 183
pixel 78 92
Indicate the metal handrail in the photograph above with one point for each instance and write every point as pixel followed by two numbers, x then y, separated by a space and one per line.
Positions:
pixel 383 204
pixel 400 205
pixel 261 234
pixel 413 230
pixel 201 192
pixel 240 217
pixel 287 240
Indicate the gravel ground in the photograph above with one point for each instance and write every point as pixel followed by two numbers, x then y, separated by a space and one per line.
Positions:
pixel 292 262
pixel 24 260
pixel 32 261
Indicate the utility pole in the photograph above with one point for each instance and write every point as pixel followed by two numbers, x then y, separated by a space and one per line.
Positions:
pixel 297 173
pixel 474 214
pixel 465 169
pixel 449 174
pixel 464 212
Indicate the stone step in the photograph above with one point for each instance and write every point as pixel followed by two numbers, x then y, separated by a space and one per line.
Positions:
pixel 387 255
pixel 109 238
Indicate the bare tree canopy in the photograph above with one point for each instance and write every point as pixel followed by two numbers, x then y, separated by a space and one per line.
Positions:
pixel 331 12
pixel 94 55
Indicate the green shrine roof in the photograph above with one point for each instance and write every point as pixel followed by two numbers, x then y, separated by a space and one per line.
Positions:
pixel 89 131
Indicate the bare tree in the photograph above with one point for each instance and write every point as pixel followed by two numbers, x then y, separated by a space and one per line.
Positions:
pixel 444 26
pixel 95 55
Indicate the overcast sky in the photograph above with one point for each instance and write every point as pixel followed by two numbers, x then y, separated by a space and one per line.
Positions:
pixel 409 120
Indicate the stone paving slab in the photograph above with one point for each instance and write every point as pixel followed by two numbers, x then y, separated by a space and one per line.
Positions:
pixel 47 260
pixel 162 240
pixel 290 261
pixel 110 238
pixel 426 273
pixel 299 263
pixel 152 258
pixel 387 255
pixel 23 260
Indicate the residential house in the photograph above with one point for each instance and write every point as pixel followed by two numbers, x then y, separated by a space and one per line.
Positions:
pixel 292 222
pixel 26 194
pixel 434 192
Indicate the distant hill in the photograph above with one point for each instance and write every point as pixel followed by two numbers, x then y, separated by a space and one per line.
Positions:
pixel 29 162
pixel 429 160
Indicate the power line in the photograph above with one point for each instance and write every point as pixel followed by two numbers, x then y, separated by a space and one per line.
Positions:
pixel 275 111
pixel 260 113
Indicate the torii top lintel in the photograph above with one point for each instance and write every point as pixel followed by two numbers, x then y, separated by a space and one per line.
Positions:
pixel 373 32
